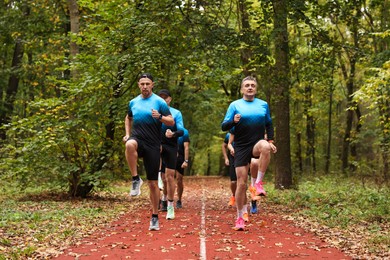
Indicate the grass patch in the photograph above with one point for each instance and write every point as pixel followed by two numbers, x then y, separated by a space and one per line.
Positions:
pixel 336 202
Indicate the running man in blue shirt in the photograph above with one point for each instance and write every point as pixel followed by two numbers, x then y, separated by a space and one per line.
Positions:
pixel 143 121
pixel 229 161
pixel 170 134
pixel 251 120
pixel 182 163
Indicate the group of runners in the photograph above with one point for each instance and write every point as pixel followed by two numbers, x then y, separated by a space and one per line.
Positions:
pixel 155 132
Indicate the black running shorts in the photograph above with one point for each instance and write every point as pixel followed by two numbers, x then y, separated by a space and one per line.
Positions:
pixel 179 162
pixel 232 169
pixel 151 157
pixel 242 155
pixel 169 156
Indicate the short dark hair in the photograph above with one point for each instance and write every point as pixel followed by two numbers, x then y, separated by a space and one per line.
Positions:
pixel 164 92
pixel 146 75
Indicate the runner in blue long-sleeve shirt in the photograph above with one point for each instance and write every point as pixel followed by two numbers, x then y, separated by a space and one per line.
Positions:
pixel 251 120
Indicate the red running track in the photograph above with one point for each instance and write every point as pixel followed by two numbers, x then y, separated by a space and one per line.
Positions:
pixel 202 229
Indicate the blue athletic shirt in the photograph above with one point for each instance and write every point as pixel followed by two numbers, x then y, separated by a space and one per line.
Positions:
pixel 178 128
pixel 145 127
pixel 181 140
pixel 254 123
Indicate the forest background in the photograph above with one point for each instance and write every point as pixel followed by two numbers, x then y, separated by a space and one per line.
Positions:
pixel 69 68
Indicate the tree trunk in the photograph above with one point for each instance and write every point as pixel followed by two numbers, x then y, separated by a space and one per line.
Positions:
pixel 354 152
pixel 384 113
pixel 245 52
pixel 77 188
pixel 384 106
pixel 348 128
pixel 74 16
pixel 350 113
pixel 12 88
pixel 346 142
pixel 299 152
pixel 310 128
pixel 283 174
pixel 328 147
pixel 384 24
pixel 353 56
pixel 385 158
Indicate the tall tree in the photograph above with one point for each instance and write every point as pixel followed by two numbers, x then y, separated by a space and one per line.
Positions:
pixel 12 88
pixel 247 34
pixel 77 186
pixel 310 128
pixel 330 113
pixel 281 105
pixel 7 107
pixel 74 17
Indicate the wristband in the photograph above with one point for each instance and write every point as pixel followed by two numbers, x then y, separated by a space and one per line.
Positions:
pixel 186 161
pixel 160 117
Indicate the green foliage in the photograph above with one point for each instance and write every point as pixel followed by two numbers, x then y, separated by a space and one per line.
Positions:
pixel 375 93
pixel 66 123
pixel 59 140
pixel 57 134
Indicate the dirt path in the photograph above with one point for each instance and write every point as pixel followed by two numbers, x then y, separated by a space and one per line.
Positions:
pixel 202 229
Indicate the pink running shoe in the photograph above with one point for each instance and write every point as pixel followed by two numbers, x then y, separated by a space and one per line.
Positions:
pixel 259 189
pixel 240 224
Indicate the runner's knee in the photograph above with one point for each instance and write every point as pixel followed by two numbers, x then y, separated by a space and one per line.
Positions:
pixel 131 145
pixel 264 147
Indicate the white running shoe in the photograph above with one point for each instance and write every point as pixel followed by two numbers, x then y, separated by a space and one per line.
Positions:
pixel 171 212
pixel 154 224
pixel 136 187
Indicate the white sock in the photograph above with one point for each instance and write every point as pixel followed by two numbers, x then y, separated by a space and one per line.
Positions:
pixel 240 213
pixel 245 209
pixel 260 176
pixel 164 197
pixel 170 203
pixel 253 181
